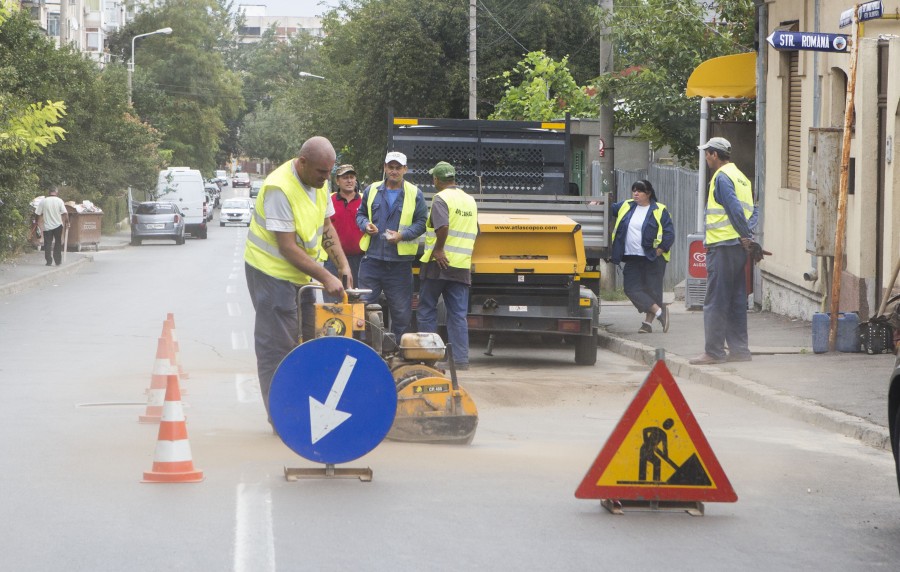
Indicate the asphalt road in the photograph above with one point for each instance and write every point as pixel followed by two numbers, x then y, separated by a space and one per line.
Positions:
pixel 76 358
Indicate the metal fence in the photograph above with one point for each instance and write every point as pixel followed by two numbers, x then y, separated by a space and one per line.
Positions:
pixel 677 189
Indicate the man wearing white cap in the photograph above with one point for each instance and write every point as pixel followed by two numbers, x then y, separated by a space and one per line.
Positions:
pixel 729 234
pixel 392 216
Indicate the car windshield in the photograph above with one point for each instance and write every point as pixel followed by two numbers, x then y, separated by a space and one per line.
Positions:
pixel 155 208
pixel 236 204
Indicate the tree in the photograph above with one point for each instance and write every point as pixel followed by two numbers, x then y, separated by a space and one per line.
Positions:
pixel 658 44
pixel 541 89
pixel 182 86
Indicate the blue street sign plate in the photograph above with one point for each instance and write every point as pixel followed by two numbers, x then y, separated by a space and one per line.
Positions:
pixel 332 400
pixel 791 41
pixel 866 11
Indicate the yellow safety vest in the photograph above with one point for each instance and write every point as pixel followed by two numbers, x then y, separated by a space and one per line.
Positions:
pixel 261 251
pixel 657 214
pixel 462 230
pixel 410 191
pixel 718 225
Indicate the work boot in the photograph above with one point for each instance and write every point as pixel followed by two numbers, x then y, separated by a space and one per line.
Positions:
pixel 664 318
pixel 706 359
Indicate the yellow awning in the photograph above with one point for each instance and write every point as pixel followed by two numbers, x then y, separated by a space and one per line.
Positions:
pixel 727 76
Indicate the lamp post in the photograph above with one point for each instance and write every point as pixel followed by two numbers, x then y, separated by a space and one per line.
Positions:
pixel 131 61
pixel 306 74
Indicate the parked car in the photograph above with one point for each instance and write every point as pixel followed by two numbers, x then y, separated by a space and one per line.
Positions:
pixel 221 177
pixel 236 211
pixel 255 186
pixel 157 220
pixel 240 180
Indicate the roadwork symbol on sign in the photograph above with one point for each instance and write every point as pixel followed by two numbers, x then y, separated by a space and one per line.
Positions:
pixel 657 452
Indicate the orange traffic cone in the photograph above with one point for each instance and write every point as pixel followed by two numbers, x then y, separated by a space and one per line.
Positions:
pixel 157 392
pixel 172 462
pixel 169 329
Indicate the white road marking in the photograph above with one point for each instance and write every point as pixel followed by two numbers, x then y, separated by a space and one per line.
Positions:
pixel 239 341
pixel 247 388
pixel 254 541
pixel 234 309
pixel 231 289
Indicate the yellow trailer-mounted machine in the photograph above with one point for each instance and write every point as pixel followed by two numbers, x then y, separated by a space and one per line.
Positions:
pixel 525 278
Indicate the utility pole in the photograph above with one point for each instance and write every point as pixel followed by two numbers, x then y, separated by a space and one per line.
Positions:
pixel 473 60
pixel 63 23
pixel 607 162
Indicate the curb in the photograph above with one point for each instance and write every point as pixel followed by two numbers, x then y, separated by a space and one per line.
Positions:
pixel 800 409
pixel 44 278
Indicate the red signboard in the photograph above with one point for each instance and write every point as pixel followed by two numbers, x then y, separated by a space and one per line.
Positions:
pixel 697 259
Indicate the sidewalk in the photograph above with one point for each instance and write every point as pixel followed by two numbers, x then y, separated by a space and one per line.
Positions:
pixel 842 392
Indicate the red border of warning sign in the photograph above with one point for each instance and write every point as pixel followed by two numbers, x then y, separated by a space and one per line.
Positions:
pixel 659 375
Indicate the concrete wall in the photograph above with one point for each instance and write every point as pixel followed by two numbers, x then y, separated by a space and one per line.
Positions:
pixel 785 209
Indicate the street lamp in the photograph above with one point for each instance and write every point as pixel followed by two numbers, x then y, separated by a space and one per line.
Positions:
pixel 306 74
pixel 131 61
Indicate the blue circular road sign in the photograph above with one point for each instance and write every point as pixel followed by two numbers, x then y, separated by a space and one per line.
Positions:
pixel 332 400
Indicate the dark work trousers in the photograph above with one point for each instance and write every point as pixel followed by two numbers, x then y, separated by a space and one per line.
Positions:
pixel 725 308
pixel 277 328
pixel 642 279
pixel 456 301
pixel 53 245
pixel 395 279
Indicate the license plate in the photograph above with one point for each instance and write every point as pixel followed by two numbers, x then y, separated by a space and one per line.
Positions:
pixel 156 226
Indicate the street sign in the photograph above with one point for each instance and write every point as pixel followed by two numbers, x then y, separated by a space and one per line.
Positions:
pixel 332 400
pixel 867 11
pixel 657 452
pixel 790 41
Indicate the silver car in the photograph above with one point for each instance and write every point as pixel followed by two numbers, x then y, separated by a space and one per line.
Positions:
pixel 153 220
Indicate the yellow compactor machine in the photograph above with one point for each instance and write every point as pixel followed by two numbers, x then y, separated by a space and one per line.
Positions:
pixel 431 406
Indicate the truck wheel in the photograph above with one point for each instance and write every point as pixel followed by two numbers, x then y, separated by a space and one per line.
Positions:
pixel 135 241
pixel 203 233
pixel 221 224
pixel 586 349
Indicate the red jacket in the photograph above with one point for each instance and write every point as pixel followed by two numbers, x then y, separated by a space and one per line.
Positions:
pixel 344 221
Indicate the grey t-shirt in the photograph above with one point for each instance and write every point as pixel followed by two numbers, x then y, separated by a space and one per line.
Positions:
pixel 279 216
pixel 440 216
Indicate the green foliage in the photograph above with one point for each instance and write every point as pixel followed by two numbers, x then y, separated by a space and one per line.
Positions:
pixel 658 43
pixel 541 89
pixel 31 129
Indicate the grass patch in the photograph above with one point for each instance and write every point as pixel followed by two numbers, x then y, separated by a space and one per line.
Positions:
pixel 616 295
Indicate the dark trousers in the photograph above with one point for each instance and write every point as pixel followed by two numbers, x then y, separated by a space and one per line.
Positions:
pixel 53 245
pixel 456 301
pixel 396 281
pixel 642 279
pixel 277 328
pixel 725 308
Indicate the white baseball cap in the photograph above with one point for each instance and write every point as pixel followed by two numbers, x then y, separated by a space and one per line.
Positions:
pixel 395 156
pixel 719 143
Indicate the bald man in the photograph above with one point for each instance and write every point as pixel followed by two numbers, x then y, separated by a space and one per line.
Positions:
pixel 290 226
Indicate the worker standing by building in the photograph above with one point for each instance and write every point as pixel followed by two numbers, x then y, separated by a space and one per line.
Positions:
pixel 450 233
pixel 290 225
pixel 346 203
pixel 729 235
pixel 392 216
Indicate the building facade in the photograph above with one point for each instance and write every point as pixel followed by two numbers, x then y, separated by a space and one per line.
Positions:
pixel 804 94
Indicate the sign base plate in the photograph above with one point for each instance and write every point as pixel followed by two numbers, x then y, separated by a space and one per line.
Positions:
pixel 620 506
pixel 329 471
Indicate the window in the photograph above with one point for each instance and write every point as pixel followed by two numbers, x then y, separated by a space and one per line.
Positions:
pixel 793 119
pixel 53 25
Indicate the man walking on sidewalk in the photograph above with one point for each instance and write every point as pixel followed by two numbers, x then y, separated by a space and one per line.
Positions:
pixel 52 218
pixel 729 208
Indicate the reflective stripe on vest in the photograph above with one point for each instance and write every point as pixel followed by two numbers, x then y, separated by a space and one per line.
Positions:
pixel 262 251
pixel 718 225
pixel 657 214
pixel 462 231
pixel 410 192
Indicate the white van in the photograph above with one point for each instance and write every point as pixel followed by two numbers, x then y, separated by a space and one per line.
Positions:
pixel 184 186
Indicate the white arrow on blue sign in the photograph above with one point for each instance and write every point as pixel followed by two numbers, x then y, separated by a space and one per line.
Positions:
pixel 790 41
pixel 332 400
pixel 866 11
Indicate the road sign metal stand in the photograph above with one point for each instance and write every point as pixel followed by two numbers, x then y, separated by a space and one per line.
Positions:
pixel 328 472
pixel 620 506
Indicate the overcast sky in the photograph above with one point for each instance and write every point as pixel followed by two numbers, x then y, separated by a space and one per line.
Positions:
pixel 301 8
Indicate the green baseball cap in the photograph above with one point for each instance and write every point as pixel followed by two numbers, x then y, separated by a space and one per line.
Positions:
pixel 443 171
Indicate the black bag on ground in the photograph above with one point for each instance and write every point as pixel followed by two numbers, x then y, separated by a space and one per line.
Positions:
pixel 876 336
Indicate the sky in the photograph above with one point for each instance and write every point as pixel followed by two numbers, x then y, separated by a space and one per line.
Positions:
pixel 298 8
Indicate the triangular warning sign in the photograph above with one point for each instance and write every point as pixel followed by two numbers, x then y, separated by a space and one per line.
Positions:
pixel 657 452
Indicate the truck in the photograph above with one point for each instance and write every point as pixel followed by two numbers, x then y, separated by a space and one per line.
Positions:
pixel 542 219
pixel 184 186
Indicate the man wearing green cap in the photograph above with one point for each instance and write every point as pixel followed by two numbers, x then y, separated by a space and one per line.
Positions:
pixel 450 232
